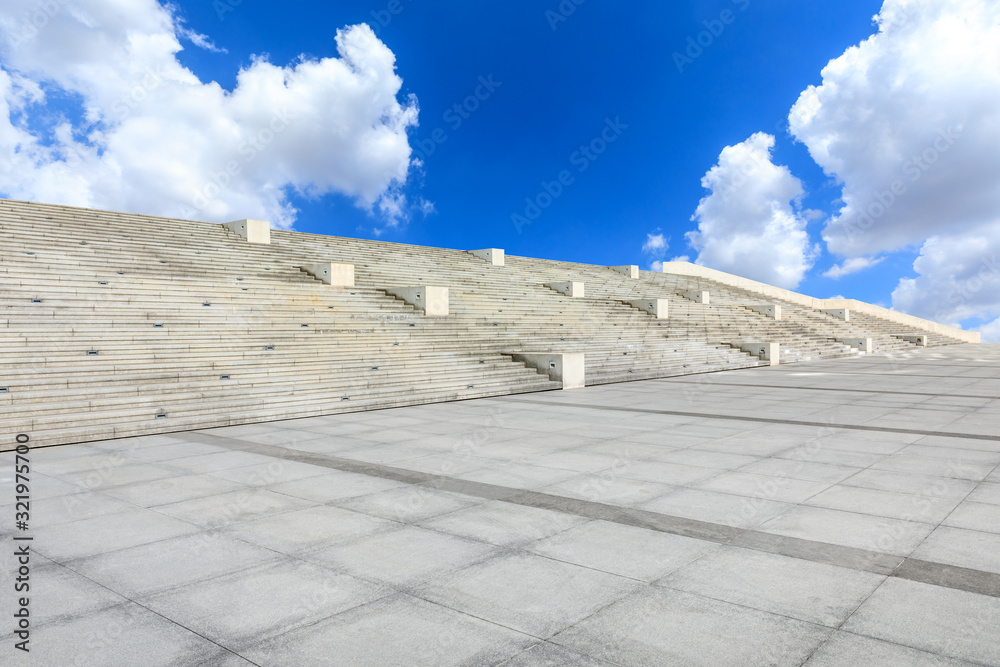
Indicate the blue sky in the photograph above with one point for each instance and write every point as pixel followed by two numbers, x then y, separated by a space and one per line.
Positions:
pixel 551 78
pixel 557 88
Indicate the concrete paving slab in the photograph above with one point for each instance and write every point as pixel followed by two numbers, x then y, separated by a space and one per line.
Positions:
pixel 503 524
pixel 409 504
pixel 405 557
pixel 956 624
pixel 813 592
pixel 334 486
pixel 88 537
pixel 397 630
pixel 157 566
pixel 662 626
pixel 309 528
pixel 534 595
pixel 861 531
pixel 845 648
pixel 965 548
pixel 623 550
pixel 263 602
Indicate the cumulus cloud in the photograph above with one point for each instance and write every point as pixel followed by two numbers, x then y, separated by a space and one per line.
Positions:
pixel 750 223
pixel 852 265
pixel 655 249
pixel 908 122
pixel 958 278
pixel 150 137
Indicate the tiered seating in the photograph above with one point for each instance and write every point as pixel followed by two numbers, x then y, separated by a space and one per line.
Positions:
pixel 115 324
pixel 110 320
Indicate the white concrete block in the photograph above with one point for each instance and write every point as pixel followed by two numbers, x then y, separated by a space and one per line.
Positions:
pixel 919 340
pixel 632 271
pixel 492 256
pixel 698 296
pixel 568 368
pixel 658 308
pixel 570 289
pixel 431 299
pixel 772 310
pixel 338 275
pixel 766 351
pixel 863 344
pixel 254 231
pixel 842 313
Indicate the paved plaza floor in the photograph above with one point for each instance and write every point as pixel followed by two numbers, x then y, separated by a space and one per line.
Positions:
pixel 844 512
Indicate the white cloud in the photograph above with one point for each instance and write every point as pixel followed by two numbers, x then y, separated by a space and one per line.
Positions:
pixel 655 249
pixel 958 278
pixel 852 265
pixel 152 138
pixel 908 122
pixel 750 224
pixel 655 244
pixel 991 331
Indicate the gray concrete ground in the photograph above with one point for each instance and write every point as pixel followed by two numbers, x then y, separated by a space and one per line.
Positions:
pixel 836 513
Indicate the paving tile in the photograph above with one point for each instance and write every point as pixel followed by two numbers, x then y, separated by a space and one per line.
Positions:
pixel 901 482
pixel 545 654
pixel 905 506
pixel 662 626
pixel 334 486
pixel 309 528
pixel 75 507
pixel 960 469
pixel 396 630
pixel 517 476
pixel 849 529
pixel 610 489
pixel 124 635
pixel 87 537
pixel 225 460
pixel 975 516
pixel 404 557
pixel 156 566
pixel 965 548
pixel 274 471
pixel 219 511
pixel 938 620
pixel 408 504
pixel 57 593
pixel 783 489
pixel 845 648
pixel 804 470
pixel 714 507
pixel 263 602
pixel 112 474
pixel 623 550
pixel 813 592
pixel 172 490
pixel 987 492
pixel 669 473
pixel 504 524
pixel 530 594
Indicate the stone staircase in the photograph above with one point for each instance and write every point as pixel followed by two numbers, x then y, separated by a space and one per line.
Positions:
pixel 115 325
